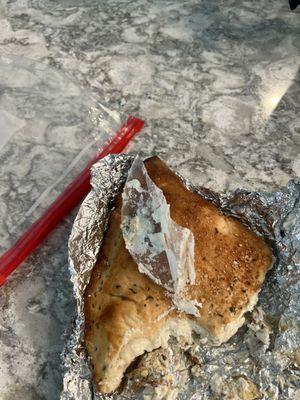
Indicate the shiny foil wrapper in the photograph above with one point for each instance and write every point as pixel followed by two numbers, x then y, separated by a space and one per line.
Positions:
pixel 261 361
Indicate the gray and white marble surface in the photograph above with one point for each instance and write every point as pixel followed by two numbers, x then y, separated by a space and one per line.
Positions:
pixel 217 83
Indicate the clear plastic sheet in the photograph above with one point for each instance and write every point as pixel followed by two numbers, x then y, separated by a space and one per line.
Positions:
pixel 261 360
pixel 162 249
pixel 50 128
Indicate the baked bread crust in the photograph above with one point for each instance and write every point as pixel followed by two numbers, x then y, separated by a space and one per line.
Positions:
pixel 127 313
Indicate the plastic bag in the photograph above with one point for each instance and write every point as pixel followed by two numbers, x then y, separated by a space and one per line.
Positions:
pixel 50 129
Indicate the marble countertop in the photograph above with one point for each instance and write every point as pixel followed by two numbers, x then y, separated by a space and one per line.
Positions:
pixel 217 83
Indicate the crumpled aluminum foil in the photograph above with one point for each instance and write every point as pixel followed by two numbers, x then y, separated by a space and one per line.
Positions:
pixel 262 361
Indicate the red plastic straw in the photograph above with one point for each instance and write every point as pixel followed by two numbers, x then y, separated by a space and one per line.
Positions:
pixel 61 207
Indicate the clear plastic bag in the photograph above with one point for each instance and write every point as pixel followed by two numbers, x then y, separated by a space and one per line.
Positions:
pixel 50 129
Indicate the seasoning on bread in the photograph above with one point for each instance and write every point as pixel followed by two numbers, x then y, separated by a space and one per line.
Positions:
pixel 127 313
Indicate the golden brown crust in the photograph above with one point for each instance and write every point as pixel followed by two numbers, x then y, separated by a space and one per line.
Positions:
pixel 230 260
pixel 123 306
